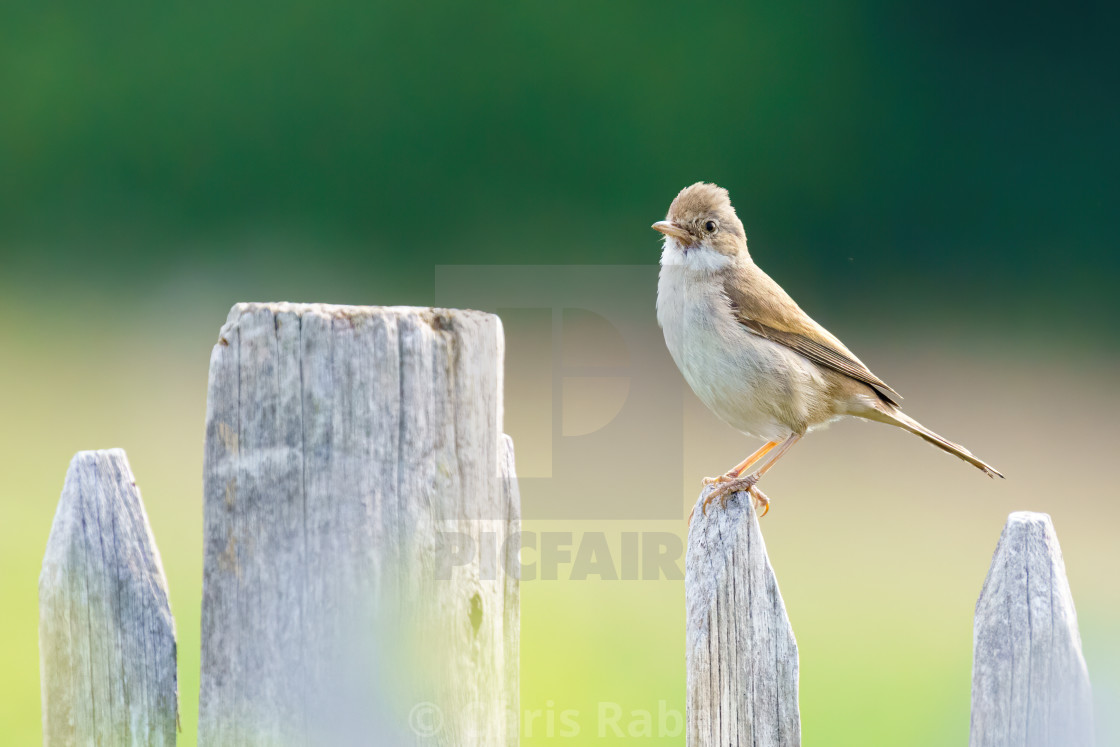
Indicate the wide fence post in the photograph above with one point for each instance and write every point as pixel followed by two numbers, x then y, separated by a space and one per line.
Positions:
pixel 1030 685
pixel 359 493
pixel 106 635
pixel 740 649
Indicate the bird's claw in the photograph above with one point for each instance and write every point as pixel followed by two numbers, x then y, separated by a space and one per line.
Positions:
pixel 727 488
pixel 760 501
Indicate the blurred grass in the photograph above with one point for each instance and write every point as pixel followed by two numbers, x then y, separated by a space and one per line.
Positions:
pixel 880 543
pixel 936 177
pixel 73 384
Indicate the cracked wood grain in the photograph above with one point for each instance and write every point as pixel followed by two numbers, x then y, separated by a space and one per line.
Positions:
pixel 355 473
pixel 1030 685
pixel 741 653
pixel 106 634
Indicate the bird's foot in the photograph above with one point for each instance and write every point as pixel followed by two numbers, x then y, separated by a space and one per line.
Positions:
pixel 729 487
pixel 725 477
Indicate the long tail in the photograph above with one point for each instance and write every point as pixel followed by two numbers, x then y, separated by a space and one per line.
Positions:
pixel 894 416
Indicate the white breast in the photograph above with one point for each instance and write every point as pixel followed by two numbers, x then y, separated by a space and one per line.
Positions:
pixel 756 386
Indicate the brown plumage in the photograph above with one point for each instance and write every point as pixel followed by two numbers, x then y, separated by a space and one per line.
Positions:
pixel 749 351
pixel 768 312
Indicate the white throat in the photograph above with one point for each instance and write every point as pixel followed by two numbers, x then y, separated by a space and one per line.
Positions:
pixel 700 258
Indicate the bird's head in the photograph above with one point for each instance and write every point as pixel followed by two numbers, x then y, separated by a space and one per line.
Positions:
pixel 701 229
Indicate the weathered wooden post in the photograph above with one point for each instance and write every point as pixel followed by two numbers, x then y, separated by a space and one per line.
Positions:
pixel 358 492
pixel 740 650
pixel 1030 685
pixel 106 635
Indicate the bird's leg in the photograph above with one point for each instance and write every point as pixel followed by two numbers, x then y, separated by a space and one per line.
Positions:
pixel 726 489
pixel 742 466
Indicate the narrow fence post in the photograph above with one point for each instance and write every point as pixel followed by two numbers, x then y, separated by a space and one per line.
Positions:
pixel 106 635
pixel 740 650
pixel 359 505
pixel 1030 685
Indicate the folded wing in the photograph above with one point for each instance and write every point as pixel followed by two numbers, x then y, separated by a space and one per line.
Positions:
pixel 770 313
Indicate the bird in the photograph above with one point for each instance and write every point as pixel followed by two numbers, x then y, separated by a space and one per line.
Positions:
pixel 750 353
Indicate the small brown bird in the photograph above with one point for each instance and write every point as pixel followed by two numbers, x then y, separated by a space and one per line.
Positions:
pixel 750 353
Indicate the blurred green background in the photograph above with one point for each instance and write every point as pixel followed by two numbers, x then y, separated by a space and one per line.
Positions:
pixel 937 183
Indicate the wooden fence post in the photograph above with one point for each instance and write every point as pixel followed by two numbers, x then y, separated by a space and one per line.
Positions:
pixel 106 635
pixel 1030 685
pixel 358 495
pixel 741 653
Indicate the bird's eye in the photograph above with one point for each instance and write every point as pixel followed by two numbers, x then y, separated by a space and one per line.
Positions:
pixel 710 226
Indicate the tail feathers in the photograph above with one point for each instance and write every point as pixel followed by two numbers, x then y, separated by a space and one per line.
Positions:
pixel 894 416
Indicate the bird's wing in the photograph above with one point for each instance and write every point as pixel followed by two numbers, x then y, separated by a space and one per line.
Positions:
pixel 769 312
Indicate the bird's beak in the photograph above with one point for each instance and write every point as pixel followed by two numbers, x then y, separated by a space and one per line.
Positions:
pixel 672 230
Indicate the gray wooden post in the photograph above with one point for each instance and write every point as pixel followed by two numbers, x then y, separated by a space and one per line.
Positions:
pixel 740 650
pixel 106 635
pixel 1030 685
pixel 358 494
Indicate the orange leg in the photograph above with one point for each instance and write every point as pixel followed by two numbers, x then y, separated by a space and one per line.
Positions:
pixel 786 445
pixel 744 465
